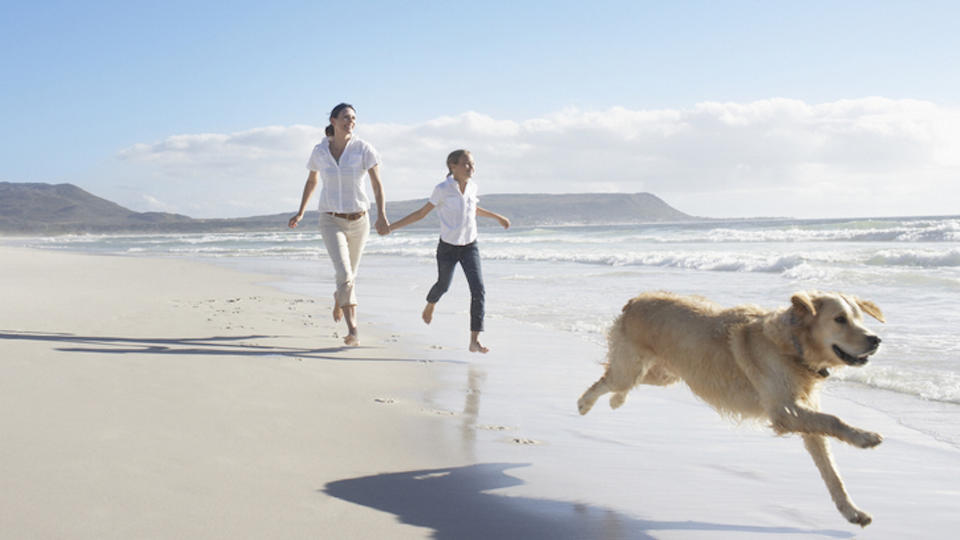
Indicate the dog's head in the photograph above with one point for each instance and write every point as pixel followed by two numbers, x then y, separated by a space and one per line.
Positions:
pixel 829 328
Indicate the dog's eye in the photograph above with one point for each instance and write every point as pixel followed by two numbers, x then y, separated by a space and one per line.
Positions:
pixel 841 320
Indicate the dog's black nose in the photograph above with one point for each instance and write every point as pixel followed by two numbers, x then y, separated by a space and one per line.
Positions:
pixel 874 341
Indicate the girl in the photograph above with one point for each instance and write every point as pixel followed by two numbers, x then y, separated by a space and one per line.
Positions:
pixel 342 161
pixel 456 201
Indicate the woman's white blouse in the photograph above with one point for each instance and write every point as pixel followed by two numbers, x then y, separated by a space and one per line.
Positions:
pixel 342 183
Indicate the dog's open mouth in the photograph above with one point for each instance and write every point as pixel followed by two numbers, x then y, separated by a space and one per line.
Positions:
pixel 851 359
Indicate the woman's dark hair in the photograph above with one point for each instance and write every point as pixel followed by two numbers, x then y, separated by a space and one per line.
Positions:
pixel 335 113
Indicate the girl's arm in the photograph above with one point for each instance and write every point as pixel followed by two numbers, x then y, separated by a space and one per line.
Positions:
pixel 486 213
pixel 383 224
pixel 414 217
pixel 308 190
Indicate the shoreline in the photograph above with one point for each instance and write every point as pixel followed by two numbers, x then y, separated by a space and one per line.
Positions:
pixel 160 397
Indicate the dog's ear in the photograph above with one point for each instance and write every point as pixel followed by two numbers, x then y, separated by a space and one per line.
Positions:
pixel 870 309
pixel 803 304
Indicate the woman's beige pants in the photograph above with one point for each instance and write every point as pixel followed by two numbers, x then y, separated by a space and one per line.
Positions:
pixel 345 240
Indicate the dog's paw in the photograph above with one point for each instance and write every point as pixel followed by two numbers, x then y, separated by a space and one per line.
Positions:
pixel 857 517
pixel 868 439
pixel 617 400
pixel 584 405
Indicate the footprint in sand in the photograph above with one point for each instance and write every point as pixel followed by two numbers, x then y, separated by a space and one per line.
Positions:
pixel 385 401
pixel 524 441
pixel 491 427
pixel 440 412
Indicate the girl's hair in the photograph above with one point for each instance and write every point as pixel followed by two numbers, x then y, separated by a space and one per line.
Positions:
pixel 454 158
pixel 335 113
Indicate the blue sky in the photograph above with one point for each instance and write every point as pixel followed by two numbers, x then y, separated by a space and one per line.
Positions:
pixel 96 94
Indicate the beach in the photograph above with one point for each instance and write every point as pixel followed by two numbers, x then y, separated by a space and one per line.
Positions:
pixel 151 396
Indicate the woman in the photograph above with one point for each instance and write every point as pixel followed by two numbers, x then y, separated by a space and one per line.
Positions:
pixel 341 161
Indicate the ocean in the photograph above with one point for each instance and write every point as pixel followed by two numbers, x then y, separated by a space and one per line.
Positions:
pixel 573 280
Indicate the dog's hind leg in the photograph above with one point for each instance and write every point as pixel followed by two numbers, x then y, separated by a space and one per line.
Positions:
pixel 623 380
pixel 817 447
pixel 621 376
pixel 625 366
pixel 586 401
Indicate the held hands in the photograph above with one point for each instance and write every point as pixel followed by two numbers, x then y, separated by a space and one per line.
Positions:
pixel 382 226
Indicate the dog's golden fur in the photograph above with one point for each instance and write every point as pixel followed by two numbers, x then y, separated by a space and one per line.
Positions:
pixel 748 362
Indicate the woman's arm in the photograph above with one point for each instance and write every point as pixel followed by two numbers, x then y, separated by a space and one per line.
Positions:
pixel 486 213
pixel 413 217
pixel 308 190
pixel 383 224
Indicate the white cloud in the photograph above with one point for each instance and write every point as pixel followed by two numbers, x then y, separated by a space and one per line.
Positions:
pixel 870 156
pixel 153 204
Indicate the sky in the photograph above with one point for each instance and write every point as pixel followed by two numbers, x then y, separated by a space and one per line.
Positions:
pixel 721 108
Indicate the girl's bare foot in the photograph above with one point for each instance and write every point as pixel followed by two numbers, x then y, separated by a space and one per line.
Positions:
pixel 428 313
pixel 352 340
pixel 475 345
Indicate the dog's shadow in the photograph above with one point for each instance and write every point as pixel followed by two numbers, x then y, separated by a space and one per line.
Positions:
pixel 453 503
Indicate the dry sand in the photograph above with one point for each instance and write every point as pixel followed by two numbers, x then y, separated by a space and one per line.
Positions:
pixel 161 398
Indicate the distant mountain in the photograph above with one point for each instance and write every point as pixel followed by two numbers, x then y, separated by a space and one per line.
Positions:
pixel 529 209
pixel 65 208
pixel 48 208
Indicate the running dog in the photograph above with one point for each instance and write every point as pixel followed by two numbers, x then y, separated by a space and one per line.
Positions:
pixel 748 362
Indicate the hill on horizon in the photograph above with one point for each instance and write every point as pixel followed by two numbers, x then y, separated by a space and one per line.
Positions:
pixel 38 208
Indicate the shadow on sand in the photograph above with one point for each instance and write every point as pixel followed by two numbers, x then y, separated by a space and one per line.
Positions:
pixel 211 346
pixel 453 502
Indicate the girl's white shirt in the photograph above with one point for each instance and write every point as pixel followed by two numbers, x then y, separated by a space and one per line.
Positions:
pixel 457 211
pixel 342 183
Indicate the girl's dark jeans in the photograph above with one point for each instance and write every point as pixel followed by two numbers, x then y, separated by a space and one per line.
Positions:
pixel 448 255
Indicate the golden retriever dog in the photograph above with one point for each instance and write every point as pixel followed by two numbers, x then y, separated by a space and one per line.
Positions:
pixel 748 362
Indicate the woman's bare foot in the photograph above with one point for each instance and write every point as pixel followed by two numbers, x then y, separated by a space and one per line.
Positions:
pixel 475 345
pixel 337 312
pixel 350 316
pixel 428 313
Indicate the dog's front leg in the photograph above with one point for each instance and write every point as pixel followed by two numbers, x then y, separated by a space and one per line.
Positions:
pixel 817 446
pixel 796 418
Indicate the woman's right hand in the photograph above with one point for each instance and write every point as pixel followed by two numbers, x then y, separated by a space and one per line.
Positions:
pixel 294 220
